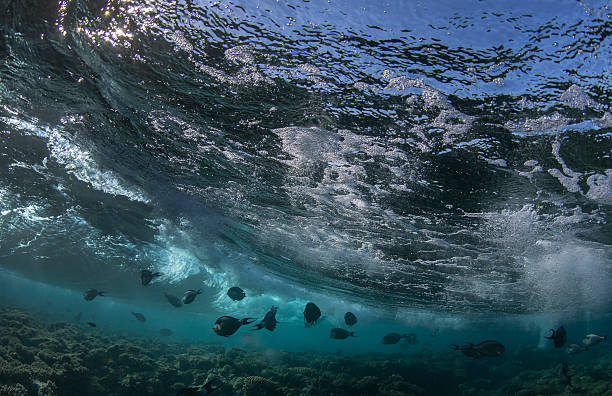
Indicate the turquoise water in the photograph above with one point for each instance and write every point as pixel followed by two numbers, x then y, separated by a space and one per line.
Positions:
pixel 439 169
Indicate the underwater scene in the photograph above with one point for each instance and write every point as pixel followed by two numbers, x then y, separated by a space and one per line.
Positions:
pixel 305 197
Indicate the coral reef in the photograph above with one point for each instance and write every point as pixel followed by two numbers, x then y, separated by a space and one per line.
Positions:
pixel 49 359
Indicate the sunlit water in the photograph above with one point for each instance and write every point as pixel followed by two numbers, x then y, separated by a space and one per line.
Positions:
pixel 444 168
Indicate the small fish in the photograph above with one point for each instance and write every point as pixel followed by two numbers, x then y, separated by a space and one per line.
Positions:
pixel 393 338
pixel 225 326
pixel 91 324
pixel 166 332
pixel 173 300
pixel 350 319
pixel 190 295
pixel 205 389
pixel 340 334
pixel 236 293
pixel 312 313
pixel 269 321
pixel 558 336
pixel 139 316
pixel 90 294
pixel 573 349
pixel 147 276
pixel 593 339
pixel 564 374
pixel 488 348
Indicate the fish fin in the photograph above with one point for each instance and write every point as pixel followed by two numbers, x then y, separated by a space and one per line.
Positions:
pixel 246 321
pixel 199 291
pixel 258 326
pixel 352 334
pixel 187 390
pixel 101 293
pixel 157 274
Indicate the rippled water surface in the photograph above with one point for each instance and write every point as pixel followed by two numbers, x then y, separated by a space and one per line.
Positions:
pixel 444 157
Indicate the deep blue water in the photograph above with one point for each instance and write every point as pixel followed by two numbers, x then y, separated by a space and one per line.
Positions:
pixel 444 168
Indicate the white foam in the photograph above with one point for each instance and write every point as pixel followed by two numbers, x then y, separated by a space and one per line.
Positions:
pixel 576 97
pixel 79 162
pixel 600 187
pixel 569 179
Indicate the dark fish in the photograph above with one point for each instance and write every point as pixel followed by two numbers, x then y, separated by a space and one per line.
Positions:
pixel 564 374
pixel 173 300
pixel 91 324
pixel 350 319
pixel 467 349
pixel 490 348
pixel 340 334
pixel 90 294
pixel 393 338
pixel 487 348
pixel 166 332
pixel 311 314
pixel 226 325
pixel 205 389
pixel 236 293
pixel 139 316
pixel 190 295
pixel 558 336
pixel 269 321
pixel 147 276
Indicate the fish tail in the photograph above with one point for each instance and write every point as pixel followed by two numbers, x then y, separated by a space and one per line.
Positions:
pixel 246 321
pixel 352 334
pixel 101 293
pixel 258 326
pixel 199 291
pixel 157 274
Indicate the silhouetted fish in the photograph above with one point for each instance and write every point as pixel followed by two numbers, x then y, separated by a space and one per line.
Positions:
pixel 173 300
pixel 226 325
pixel 487 348
pixel 91 324
pixel 190 295
pixel 166 332
pixel 340 334
pixel 205 389
pixel 147 276
pixel 311 314
pixel 350 319
pixel 393 338
pixel 558 336
pixel 139 316
pixel 90 294
pixel 236 293
pixel 269 321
